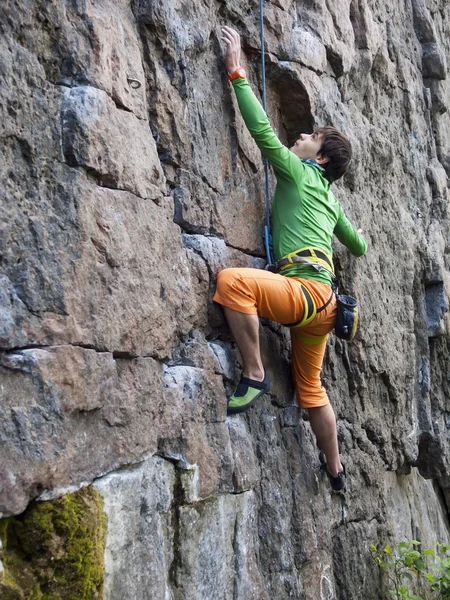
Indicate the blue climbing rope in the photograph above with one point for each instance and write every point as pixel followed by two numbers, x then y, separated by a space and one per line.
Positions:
pixel 267 235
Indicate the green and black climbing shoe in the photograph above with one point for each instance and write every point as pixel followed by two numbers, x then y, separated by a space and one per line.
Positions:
pixel 247 393
pixel 337 483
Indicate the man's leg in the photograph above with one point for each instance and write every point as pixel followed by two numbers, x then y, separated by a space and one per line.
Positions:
pixel 306 367
pixel 245 294
pixel 308 349
pixel 245 330
pixel 323 423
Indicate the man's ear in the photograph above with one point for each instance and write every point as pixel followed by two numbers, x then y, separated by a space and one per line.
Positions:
pixel 321 159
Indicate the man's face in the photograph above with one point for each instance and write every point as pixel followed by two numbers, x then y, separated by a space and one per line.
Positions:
pixel 308 146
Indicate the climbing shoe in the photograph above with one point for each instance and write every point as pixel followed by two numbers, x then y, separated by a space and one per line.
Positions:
pixel 247 393
pixel 337 483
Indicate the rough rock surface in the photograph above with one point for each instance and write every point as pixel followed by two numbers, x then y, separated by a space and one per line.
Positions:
pixel 121 203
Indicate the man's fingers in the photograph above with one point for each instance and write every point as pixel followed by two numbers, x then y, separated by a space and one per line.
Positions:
pixel 230 30
pixel 232 33
pixel 233 48
pixel 229 40
pixel 226 37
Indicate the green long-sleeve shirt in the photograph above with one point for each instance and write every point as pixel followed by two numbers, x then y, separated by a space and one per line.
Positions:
pixel 305 211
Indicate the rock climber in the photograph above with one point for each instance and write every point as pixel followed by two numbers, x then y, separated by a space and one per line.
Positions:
pixel 305 215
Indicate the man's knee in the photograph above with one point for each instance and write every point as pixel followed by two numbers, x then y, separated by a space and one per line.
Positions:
pixel 319 409
pixel 312 396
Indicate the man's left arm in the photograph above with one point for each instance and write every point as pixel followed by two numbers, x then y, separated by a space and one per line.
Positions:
pixel 349 236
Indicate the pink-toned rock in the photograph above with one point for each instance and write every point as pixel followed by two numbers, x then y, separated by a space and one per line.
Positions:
pixel 119 207
pixel 113 144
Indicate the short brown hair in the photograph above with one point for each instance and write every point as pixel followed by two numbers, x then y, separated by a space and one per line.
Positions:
pixel 337 148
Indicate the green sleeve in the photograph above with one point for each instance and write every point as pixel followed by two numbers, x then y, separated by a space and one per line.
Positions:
pixel 280 157
pixel 347 234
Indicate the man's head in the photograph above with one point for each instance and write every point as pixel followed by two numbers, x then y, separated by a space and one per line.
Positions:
pixel 328 147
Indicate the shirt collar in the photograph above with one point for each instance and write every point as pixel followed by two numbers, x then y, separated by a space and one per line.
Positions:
pixel 313 163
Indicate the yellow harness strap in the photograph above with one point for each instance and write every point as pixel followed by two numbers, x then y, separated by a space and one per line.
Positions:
pixel 310 340
pixel 308 316
pixel 311 254
pixel 310 309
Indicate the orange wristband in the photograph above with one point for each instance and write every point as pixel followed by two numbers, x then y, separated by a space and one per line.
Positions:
pixel 238 73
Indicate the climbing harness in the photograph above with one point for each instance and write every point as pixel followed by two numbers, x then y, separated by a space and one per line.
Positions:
pixel 267 235
pixel 347 317
pixel 314 257
pixel 311 309
pixel 347 307
pixel 318 259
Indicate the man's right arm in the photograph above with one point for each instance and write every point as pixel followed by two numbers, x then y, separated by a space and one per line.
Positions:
pixel 280 157
pixel 347 234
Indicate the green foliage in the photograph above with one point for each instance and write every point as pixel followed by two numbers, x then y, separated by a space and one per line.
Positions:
pixel 55 549
pixel 415 574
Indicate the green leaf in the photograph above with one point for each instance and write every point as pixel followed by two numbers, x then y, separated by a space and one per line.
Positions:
pixel 419 564
pixel 428 552
pixel 388 550
pixel 415 543
pixel 373 548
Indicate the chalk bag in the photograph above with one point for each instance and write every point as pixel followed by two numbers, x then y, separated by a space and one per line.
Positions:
pixel 347 317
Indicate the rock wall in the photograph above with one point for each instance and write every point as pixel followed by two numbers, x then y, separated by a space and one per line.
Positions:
pixel 121 202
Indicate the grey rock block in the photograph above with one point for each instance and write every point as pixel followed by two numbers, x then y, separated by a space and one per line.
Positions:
pixel 423 22
pixel 217 550
pixel 434 65
pixel 246 470
pixel 225 359
pixel 437 306
pixel 138 504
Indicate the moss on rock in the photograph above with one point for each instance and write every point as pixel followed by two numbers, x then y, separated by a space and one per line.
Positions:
pixel 55 549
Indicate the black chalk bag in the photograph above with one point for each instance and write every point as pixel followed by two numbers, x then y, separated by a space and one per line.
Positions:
pixel 347 317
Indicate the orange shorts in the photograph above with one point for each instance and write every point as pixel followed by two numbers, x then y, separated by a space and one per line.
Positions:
pixel 254 291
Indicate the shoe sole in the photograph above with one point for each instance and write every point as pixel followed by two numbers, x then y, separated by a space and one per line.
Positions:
pixel 235 410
